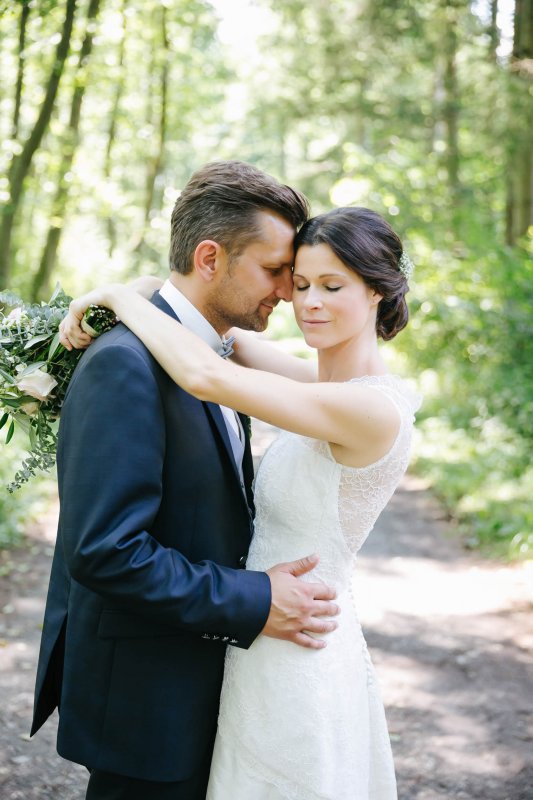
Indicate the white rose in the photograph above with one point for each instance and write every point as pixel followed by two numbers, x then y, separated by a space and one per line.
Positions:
pixel 29 408
pixel 37 384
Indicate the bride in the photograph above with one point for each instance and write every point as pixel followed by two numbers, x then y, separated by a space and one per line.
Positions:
pixel 297 723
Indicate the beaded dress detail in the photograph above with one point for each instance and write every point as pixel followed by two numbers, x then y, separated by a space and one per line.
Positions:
pixel 294 723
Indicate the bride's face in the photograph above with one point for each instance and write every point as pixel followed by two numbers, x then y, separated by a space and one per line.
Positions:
pixel 332 303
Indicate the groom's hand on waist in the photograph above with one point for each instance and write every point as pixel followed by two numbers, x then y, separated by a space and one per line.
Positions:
pixel 298 608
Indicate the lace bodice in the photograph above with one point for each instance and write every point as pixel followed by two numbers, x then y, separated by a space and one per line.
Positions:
pixel 313 503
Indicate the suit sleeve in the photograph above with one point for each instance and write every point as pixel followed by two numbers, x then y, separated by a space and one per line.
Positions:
pixel 110 461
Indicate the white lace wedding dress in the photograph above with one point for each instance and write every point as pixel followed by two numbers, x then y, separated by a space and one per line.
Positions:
pixel 300 724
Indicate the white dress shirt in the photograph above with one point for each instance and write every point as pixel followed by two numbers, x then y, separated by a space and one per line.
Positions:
pixel 192 319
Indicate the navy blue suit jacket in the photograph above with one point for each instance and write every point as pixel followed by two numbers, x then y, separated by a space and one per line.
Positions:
pixel 145 590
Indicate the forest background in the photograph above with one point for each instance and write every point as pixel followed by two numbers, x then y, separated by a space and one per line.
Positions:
pixel 422 111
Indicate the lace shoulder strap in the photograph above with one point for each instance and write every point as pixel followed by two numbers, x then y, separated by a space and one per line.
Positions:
pixel 406 400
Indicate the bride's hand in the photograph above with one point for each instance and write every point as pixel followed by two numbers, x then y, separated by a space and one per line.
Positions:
pixel 71 334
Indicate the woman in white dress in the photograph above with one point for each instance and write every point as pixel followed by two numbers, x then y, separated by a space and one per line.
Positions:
pixel 298 723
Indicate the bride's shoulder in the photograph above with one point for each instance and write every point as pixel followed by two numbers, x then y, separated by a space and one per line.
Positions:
pixel 385 413
pixel 401 391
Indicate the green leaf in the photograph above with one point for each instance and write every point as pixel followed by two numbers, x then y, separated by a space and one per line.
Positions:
pixel 36 340
pixel 7 377
pixel 54 344
pixel 33 436
pixel 4 419
pixel 24 422
pixel 10 299
pixel 57 291
pixel 10 432
pixel 12 403
pixel 31 368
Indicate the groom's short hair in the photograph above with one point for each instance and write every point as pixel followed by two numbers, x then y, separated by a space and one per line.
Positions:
pixel 220 202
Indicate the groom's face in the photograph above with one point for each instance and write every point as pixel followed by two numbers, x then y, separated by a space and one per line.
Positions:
pixel 253 283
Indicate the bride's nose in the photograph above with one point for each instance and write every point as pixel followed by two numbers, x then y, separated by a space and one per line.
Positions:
pixel 313 298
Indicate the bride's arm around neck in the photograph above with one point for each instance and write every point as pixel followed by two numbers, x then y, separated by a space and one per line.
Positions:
pixel 250 349
pixel 351 415
pixel 255 351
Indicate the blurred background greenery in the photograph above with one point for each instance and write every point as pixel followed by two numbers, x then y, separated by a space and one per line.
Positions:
pixel 420 110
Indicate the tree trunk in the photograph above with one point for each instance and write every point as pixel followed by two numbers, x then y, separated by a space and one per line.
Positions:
pixel 111 133
pixel 494 31
pixel 451 103
pixel 519 215
pixel 21 163
pixel 24 14
pixel 48 259
pixel 156 164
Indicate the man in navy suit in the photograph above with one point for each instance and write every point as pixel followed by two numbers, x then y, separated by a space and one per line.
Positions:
pixel 147 586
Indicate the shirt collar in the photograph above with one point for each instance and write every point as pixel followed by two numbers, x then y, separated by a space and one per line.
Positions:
pixel 190 317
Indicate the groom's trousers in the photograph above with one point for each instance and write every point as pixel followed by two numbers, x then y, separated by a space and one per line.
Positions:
pixel 108 786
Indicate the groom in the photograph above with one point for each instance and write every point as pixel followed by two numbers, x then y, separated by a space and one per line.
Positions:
pixel 147 587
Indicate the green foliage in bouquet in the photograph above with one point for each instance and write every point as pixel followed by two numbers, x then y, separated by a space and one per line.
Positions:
pixel 35 370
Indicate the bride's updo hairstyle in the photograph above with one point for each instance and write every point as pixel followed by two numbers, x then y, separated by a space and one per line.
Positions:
pixel 366 244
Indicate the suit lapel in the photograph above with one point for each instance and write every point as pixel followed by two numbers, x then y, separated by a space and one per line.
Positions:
pixel 217 417
pixel 215 414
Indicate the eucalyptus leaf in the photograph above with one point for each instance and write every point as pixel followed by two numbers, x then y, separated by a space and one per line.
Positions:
pixel 10 299
pixel 36 339
pixel 10 432
pixel 32 368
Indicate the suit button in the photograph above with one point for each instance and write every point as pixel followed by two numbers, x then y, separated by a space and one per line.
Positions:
pixel 242 562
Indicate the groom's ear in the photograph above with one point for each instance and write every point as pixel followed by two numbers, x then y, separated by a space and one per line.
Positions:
pixel 207 259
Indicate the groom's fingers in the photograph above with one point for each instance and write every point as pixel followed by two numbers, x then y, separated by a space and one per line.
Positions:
pixel 305 637
pixel 321 591
pixel 304 640
pixel 324 609
pixel 302 565
pixel 299 610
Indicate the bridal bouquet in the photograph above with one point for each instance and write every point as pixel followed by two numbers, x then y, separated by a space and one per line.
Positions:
pixel 35 370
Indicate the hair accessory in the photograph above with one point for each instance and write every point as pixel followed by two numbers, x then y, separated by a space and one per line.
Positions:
pixel 405 265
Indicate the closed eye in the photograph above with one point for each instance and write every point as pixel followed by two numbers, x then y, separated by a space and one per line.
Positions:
pixel 327 288
pixel 276 271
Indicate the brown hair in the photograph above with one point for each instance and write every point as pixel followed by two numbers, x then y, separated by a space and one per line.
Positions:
pixel 366 244
pixel 221 202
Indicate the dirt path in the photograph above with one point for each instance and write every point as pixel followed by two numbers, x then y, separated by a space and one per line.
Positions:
pixel 451 637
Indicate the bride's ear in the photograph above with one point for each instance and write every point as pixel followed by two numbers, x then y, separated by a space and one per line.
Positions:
pixel 207 259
